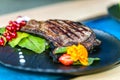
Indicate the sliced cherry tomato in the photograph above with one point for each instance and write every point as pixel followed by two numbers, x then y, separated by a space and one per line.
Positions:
pixel 66 60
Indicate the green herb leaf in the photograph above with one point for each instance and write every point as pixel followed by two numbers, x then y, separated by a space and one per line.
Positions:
pixel 77 63
pixel 2 30
pixel 47 45
pixel 60 50
pixel 20 36
pixel 90 61
pixel 33 43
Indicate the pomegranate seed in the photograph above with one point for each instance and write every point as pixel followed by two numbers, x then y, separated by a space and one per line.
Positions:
pixel 13 22
pixel 22 23
pixel 10 22
pixel 17 25
pixel 13 28
pixel 2 41
pixel 5 34
pixel 18 28
pixel 13 34
pixel 8 28
pixel 8 37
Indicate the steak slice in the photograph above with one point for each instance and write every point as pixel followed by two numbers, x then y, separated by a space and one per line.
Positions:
pixel 63 32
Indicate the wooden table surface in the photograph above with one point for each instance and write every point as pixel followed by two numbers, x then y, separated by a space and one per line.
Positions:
pixel 72 10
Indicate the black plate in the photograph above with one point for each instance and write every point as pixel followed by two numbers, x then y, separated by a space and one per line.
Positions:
pixel 108 52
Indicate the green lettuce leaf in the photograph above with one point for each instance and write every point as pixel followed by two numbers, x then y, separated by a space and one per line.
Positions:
pixel 20 36
pixel 2 30
pixel 33 43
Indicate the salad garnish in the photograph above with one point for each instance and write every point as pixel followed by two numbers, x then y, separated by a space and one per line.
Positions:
pixel 74 55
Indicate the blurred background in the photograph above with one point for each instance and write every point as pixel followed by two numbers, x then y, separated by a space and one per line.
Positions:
pixel 8 6
pixel 52 9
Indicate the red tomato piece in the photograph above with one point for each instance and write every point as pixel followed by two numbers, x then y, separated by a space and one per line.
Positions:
pixel 66 60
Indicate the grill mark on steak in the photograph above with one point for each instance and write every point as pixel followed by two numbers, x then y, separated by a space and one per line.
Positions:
pixel 55 27
pixel 84 29
pixel 68 28
pixel 61 29
pixel 52 30
pixel 74 26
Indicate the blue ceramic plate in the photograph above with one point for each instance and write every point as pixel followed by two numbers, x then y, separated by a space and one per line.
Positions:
pixel 23 59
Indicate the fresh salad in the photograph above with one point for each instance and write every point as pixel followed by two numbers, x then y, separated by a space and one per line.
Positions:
pixel 71 55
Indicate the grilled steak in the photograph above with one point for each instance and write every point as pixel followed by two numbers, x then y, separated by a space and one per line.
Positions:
pixel 63 32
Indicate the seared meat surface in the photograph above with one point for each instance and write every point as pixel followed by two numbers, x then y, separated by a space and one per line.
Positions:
pixel 63 32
